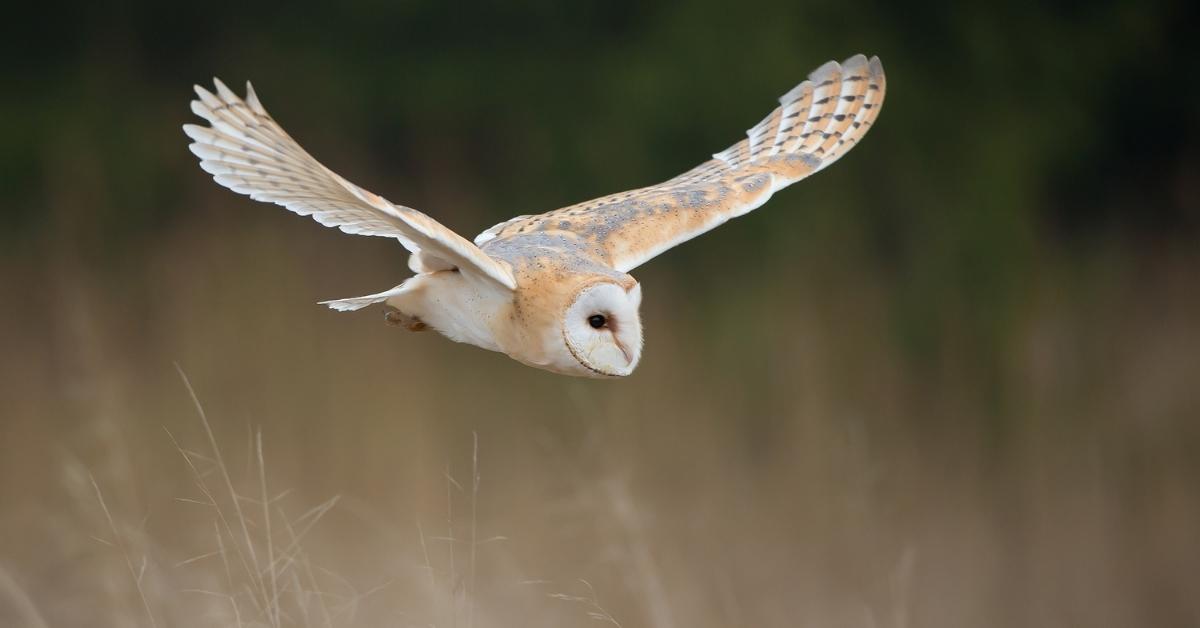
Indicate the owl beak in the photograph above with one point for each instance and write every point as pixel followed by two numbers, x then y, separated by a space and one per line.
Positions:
pixel 610 358
pixel 617 341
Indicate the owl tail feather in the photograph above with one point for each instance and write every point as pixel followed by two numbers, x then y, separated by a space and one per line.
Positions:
pixel 358 303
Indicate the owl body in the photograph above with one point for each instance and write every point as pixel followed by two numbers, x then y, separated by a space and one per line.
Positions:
pixel 553 290
pixel 552 274
pixel 456 305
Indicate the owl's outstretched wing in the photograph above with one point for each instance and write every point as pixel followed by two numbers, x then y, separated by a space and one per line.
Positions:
pixel 248 152
pixel 815 124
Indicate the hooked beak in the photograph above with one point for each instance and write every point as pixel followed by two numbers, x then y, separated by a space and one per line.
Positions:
pixel 609 358
pixel 624 351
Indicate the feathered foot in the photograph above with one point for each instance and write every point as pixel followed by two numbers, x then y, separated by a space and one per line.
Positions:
pixel 398 318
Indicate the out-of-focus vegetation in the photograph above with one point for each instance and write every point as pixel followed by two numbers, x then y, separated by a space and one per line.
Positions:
pixel 951 381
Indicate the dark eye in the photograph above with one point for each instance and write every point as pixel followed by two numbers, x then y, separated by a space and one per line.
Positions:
pixel 597 321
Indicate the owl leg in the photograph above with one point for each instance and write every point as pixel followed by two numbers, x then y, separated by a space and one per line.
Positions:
pixel 398 318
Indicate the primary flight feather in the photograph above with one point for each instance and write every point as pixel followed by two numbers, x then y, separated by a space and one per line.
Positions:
pixel 550 290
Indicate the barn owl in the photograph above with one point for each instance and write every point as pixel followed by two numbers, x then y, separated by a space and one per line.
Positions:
pixel 552 290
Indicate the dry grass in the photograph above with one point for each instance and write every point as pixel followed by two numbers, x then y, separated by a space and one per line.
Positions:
pixel 264 574
pixel 779 461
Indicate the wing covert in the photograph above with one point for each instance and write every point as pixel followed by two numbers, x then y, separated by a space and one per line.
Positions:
pixel 816 123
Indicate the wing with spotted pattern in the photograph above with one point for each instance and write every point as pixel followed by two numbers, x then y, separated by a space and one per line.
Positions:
pixel 815 124
pixel 248 152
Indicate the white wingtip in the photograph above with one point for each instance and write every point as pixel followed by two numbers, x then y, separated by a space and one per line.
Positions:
pixel 854 62
pixel 193 131
pixel 824 72
pixel 252 99
pixel 794 93
pixel 206 96
pixel 876 66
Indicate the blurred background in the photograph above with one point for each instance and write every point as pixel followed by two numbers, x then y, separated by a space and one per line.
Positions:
pixel 952 381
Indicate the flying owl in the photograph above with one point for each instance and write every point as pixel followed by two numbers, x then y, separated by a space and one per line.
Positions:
pixel 552 290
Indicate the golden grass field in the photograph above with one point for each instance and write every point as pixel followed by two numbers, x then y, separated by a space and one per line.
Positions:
pixel 779 459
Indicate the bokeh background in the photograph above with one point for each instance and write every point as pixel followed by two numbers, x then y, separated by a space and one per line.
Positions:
pixel 952 381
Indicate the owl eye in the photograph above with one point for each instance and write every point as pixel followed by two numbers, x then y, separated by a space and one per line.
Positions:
pixel 597 321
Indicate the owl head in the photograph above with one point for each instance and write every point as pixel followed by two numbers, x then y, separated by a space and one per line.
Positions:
pixel 600 330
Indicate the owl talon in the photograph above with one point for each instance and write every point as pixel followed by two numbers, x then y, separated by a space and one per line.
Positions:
pixel 398 318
